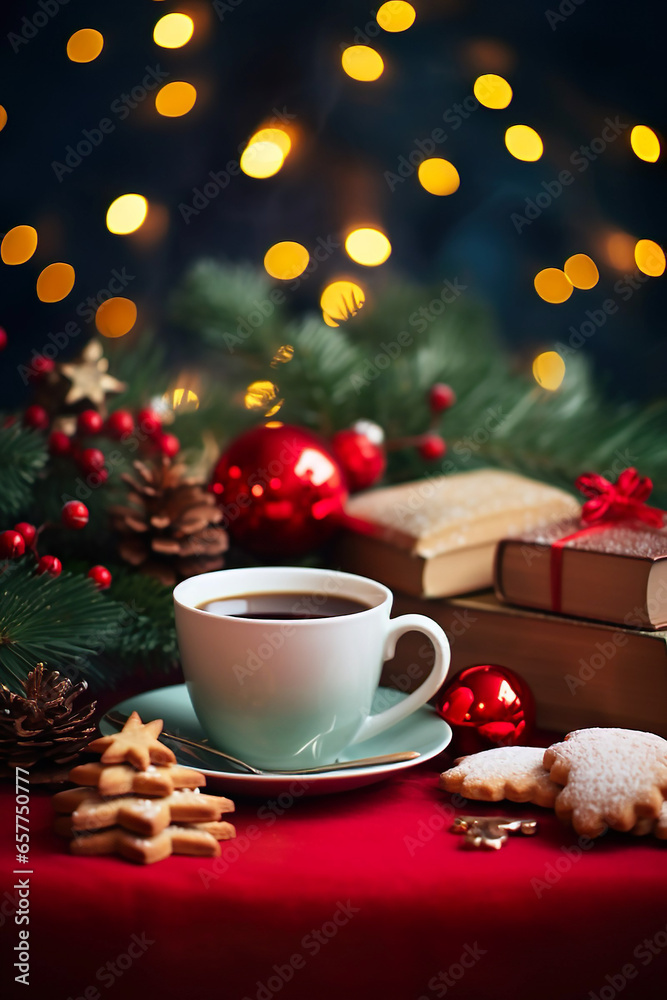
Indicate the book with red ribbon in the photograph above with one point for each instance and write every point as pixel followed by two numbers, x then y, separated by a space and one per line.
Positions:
pixel 609 565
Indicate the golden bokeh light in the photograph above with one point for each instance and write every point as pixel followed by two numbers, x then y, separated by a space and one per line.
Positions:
pixel 181 400
pixel 645 143
pixel 619 249
pixel 175 99
pixel 3 117
pixel 85 45
pixel 363 63
pixel 523 142
pixel 340 300
pixel 283 355
pixel 277 136
pixel 18 245
pixel 116 317
pixel 581 271
pixel 55 282
pixel 262 159
pixel 173 30
pixel 549 370
pixel 369 247
pixel 261 395
pixel 492 91
pixel 396 15
pixel 553 285
pixel 438 176
pixel 126 214
pixel 650 258
pixel 286 260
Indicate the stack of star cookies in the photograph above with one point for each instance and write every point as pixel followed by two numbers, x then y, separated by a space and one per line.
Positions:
pixel 596 779
pixel 139 803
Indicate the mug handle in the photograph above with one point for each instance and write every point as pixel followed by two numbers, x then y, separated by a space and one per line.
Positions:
pixel 375 724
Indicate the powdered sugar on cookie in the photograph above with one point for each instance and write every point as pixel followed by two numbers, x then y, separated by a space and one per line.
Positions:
pixel 612 777
pixel 514 773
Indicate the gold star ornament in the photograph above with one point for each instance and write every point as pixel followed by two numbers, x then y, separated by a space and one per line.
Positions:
pixel 89 376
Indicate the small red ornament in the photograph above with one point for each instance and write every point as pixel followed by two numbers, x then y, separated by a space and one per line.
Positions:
pixel 50 565
pixel 441 397
pixel 36 417
pixel 89 422
pixel 149 422
pixel 279 487
pixel 360 451
pixel 42 366
pixel 74 514
pixel 59 443
pixel 487 706
pixel 168 444
pixel 100 576
pixel 119 424
pixel 12 545
pixel 27 531
pixel 91 460
pixel 432 447
pixel 3 338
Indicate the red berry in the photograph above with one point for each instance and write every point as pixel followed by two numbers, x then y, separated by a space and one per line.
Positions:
pixel 42 366
pixel 12 545
pixel 120 423
pixel 59 443
pixel 27 531
pixel 91 459
pixel 169 445
pixel 36 417
pixel 3 338
pixel 432 447
pixel 50 565
pixel 361 453
pixel 441 397
pixel 100 576
pixel 149 422
pixel 89 422
pixel 74 514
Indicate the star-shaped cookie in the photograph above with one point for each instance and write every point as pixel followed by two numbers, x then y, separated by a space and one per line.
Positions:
pixel 514 773
pixel 121 779
pixel 198 840
pixel 137 743
pixel 89 376
pixel 612 777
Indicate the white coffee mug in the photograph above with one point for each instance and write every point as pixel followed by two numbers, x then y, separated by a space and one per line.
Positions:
pixel 285 694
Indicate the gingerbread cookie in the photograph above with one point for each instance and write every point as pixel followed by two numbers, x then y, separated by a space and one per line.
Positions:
pixel 658 827
pixel 137 743
pixel 146 850
pixel 119 779
pixel 514 773
pixel 612 778
pixel 87 810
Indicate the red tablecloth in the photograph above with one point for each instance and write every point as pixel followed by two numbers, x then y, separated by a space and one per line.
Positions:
pixel 359 895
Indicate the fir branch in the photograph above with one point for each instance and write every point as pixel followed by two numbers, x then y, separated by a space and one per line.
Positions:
pixel 149 610
pixel 63 621
pixel 22 454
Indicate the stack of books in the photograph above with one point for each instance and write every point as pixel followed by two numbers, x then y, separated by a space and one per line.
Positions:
pixel 473 552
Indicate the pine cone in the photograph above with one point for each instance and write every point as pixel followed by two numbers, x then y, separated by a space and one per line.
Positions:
pixel 170 529
pixel 43 728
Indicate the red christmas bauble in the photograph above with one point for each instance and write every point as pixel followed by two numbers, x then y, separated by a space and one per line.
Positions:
pixel 74 514
pixel 120 423
pixel 360 451
pixel 487 706
pixel 12 545
pixel 27 531
pixel 36 417
pixel 432 447
pixel 50 565
pixel 89 422
pixel 278 487
pixel 100 576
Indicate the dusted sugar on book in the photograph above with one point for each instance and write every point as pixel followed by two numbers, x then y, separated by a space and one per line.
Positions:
pixel 437 537
pixel 612 573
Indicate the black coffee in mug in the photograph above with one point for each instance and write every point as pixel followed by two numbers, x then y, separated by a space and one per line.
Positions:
pixel 283 606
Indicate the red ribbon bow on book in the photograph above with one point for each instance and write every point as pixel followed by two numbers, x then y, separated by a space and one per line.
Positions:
pixel 607 503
